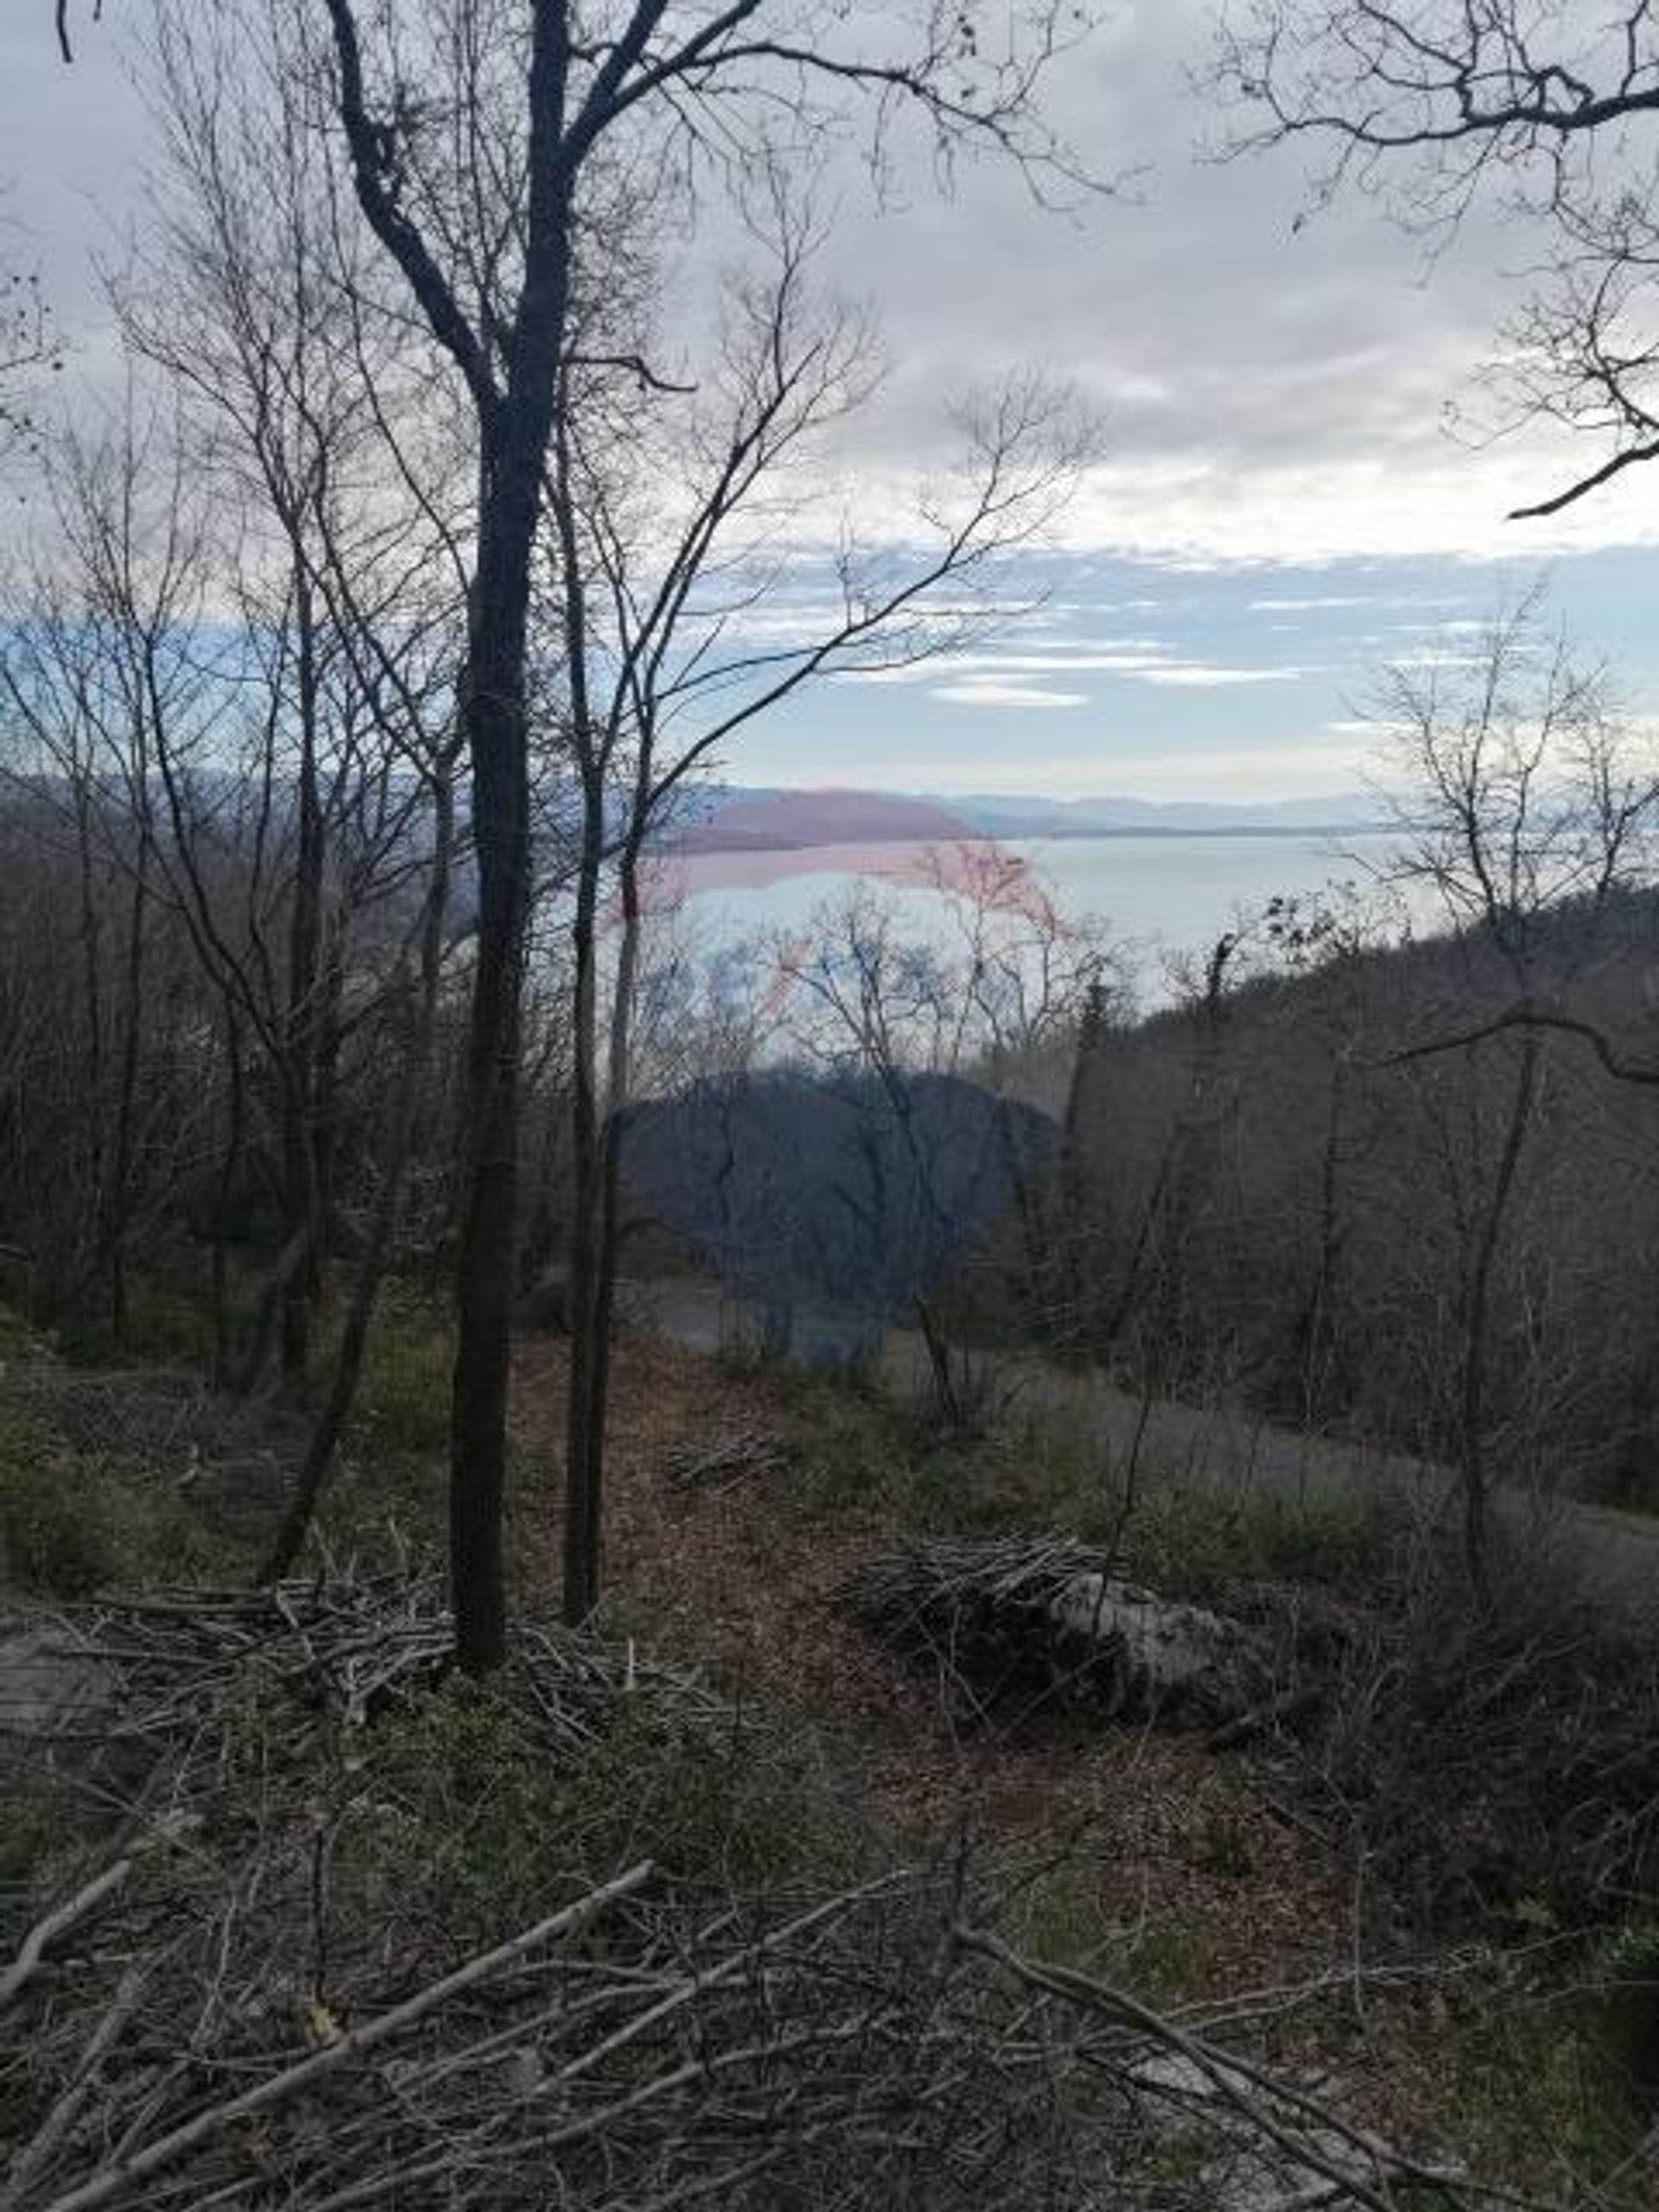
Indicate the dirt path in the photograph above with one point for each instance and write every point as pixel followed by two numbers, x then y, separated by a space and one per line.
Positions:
pixel 1216 1447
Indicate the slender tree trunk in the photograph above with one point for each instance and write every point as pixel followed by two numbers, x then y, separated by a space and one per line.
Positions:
pixel 1074 1317
pixel 118 1194
pixel 515 431
pixel 1471 1423
pixel 380 1235
pixel 581 1530
pixel 609 1226
pixel 325 1118
pixel 230 1167
pixel 1316 1351
pixel 92 1009
pixel 1178 1188
pixel 304 949
pixel 946 1395
pixel 1151 1217
pixel 495 713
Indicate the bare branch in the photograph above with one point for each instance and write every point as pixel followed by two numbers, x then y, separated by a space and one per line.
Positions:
pixel 1527 1017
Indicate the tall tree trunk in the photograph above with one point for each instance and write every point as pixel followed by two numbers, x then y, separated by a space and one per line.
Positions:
pixel 92 992
pixel 1317 1376
pixel 601 1316
pixel 1472 1466
pixel 229 1168
pixel 493 710
pixel 1073 1311
pixel 119 1195
pixel 300 1028
pixel 581 1528
pixel 495 720
pixel 515 430
pixel 380 1235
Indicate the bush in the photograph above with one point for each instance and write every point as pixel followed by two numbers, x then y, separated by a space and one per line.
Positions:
pixel 1503 1758
pixel 734 1809
pixel 403 1400
pixel 465 1794
pixel 70 1525
pixel 847 1447
pixel 466 1790
pixel 1628 1979
pixel 166 1326
pixel 1202 1544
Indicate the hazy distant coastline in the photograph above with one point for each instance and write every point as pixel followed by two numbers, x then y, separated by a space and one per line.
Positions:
pixel 735 820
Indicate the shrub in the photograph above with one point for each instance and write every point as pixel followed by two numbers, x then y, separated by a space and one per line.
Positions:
pixel 1201 1544
pixel 164 1325
pixel 1629 1980
pixel 70 1525
pixel 402 1403
pixel 465 1794
pixel 1503 1758
pixel 466 1789
pixel 853 1450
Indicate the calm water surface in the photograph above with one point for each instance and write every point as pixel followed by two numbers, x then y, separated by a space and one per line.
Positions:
pixel 1164 895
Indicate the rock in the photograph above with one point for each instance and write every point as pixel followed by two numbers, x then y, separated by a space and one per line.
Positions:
pixel 1170 1653
pixel 1032 1620
pixel 1176 2076
pixel 1275 2181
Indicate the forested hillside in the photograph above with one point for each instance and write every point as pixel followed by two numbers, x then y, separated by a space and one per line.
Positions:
pixel 902 1555
pixel 1284 1193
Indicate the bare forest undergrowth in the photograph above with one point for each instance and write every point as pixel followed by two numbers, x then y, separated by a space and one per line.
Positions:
pixel 316 1832
pixel 746 1502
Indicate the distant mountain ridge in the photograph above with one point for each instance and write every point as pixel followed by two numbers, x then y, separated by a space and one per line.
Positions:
pixel 749 818
pixel 773 821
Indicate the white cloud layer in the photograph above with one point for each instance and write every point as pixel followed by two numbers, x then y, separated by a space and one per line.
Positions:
pixel 1272 397
pixel 985 691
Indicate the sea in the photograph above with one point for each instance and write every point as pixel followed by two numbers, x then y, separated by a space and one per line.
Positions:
pixel 1161 898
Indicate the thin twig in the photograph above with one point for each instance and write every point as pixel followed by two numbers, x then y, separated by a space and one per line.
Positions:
pixel 104 2187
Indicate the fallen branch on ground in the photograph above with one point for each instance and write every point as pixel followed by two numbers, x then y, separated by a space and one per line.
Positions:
pixel 46 1932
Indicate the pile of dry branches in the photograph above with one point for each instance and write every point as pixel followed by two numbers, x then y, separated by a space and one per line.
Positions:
pixel 254 1989
pixel 249 1985
pixel 1046 1624
pixel 911 1592
pixel 719 1463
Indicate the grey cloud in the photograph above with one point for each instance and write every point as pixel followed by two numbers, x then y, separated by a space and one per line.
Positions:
pixel 1237 361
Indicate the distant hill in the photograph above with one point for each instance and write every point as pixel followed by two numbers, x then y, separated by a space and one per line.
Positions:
pixel 792 820
pixel 1004 816
pixel 738 819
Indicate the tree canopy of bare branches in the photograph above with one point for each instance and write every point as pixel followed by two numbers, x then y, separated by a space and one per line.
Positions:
pixel 1549 110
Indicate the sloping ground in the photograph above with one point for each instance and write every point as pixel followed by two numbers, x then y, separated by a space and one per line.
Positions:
pixel 353 1933
pixel 1198 1875
pixel 1207 1879
pixel 1216 1447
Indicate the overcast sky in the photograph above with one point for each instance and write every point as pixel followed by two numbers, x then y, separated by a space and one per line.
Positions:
pixel 1281 506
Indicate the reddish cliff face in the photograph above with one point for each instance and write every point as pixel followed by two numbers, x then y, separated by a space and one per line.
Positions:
pixel 789 821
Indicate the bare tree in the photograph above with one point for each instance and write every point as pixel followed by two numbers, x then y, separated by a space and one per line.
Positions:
pixel 304 406
pixel 106 665
pixel 1517 797
pixel 27 344
pixel 664 675
pixel 1545 110
pixel 880 998
pixel 481 140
